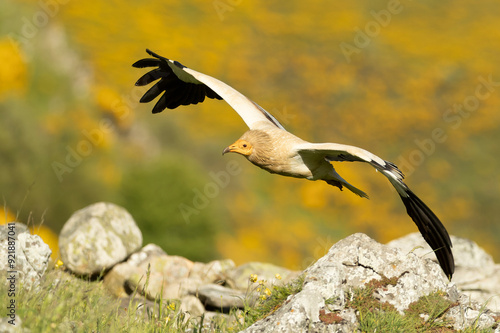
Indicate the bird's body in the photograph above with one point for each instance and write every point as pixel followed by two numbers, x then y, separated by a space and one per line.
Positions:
pixel 275 150
pixel 269 146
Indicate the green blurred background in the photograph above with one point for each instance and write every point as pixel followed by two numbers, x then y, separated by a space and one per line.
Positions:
pixel 407 80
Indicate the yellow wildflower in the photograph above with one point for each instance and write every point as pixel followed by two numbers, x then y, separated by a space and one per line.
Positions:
pixel 59 263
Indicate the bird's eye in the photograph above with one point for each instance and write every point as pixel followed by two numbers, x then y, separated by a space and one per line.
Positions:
pixel 244 145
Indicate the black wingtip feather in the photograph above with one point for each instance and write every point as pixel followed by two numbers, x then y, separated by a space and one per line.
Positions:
pixel 432 230
pixel 176 91
pixel 151 76
pixel 147 62
pixel 152 93
pixel 151 53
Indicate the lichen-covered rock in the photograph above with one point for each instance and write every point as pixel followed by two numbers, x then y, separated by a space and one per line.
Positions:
pixel 31 258
pixel 397 279
pixel 470 314
pixel 97 237
pixel 476 273
pixel 363 259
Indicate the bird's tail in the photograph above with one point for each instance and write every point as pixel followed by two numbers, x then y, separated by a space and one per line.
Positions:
pixel 432 230
pixel 428 223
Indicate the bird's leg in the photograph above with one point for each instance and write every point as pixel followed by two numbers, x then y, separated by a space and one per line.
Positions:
pixel 340 184
pixel 335 183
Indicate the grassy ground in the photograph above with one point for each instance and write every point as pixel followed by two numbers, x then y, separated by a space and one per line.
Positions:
pixel 64 303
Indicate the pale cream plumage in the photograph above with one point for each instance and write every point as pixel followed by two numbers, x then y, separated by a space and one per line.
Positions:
pixel 269 146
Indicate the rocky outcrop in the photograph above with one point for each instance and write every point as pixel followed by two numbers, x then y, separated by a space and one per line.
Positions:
pixel 97 237
pixel 396 280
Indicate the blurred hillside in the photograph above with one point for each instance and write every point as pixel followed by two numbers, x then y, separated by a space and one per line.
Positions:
pixel 417 83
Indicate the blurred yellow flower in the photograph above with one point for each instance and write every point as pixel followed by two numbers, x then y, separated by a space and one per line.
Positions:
pixel 13 71
pixel 110 174
pixel 6 216
pixel 112 104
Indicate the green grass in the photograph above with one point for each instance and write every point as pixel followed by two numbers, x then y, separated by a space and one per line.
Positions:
pixel 266 305
pixel 64 303
pixel 422 316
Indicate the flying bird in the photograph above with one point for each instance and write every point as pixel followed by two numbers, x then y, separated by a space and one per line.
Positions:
pixel 269 146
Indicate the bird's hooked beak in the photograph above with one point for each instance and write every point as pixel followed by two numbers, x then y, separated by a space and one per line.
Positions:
pixel 240 146
pixel 228 149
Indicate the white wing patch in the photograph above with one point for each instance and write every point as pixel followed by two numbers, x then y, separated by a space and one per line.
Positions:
pixel 251 113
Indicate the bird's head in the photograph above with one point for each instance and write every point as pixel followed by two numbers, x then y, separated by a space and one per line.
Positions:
pixel 241 146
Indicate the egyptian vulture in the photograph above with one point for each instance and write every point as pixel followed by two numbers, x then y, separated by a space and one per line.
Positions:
pixel 269 146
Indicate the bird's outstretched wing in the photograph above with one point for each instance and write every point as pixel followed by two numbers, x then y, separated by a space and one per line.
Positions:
pixel 184 86
pixel 427 222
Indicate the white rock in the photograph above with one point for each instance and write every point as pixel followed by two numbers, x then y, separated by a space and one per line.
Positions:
pixel 352 263
pixel 97 237
pixel 31 258
pixel 476 273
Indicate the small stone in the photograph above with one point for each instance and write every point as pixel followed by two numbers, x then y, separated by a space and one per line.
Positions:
pixel 192 305
pixel 218 297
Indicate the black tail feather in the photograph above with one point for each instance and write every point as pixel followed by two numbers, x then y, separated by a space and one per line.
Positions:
pixel 432 230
